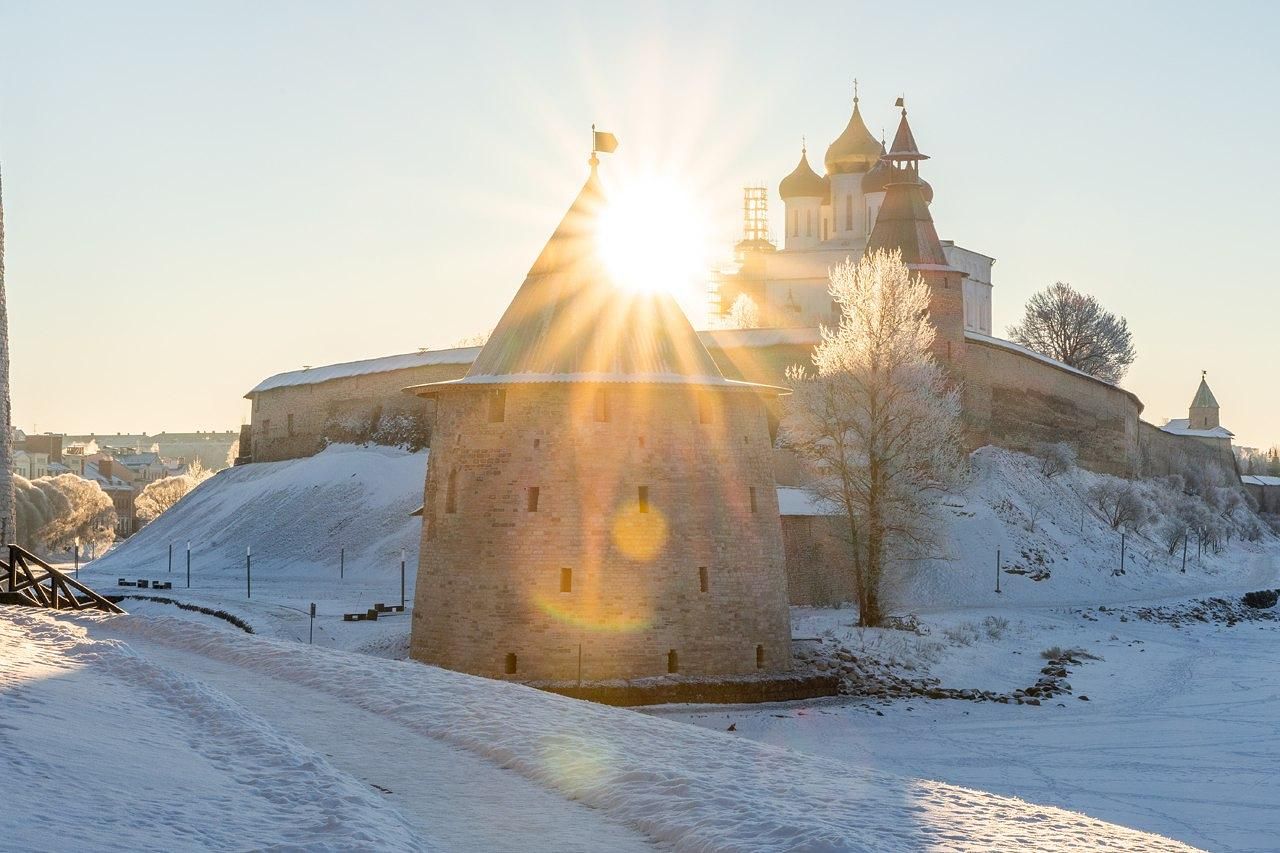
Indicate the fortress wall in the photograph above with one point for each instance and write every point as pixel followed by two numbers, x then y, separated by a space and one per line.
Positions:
pixel 372 407
pixel 819 560
pixel 1016 401
pixel 1164 453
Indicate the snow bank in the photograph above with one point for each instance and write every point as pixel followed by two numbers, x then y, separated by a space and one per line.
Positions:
pixel 690 788
pixel 138 757
pixel 295 514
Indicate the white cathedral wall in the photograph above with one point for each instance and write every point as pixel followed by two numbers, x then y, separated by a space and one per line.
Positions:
pixel 843 187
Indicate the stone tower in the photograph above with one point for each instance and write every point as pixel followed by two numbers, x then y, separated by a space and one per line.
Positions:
pixel 599 499
pixel 904 223
pixel 1203 413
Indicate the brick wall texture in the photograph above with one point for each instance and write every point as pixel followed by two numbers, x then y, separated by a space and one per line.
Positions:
pixel 490 579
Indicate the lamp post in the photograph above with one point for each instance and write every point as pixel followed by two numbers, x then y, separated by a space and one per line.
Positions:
pixel 248 571
pixel 77 557
pixel 402 578
pixel 188 564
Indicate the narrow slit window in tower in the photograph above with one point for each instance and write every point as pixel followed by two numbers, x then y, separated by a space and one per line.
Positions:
pixel 602 405
pixel 673 661
pixel 752 492
pixel 451 492
pixel 641 440
pixel 532 504
pixel 498 406
pixel 510 667
pixel 702 578
pixel 642 498
pixel 759 657
pixel 566 580
pixel 289 423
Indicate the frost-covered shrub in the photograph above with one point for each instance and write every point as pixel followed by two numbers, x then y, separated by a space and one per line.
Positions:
pixel 964 634
pixel 995 627
pixel 1056 459
pixel 1121 505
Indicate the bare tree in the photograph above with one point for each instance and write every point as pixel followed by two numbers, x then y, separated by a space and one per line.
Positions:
pixel 8 510
pixel 1075 329
pixel 1120 504
pixel 1056 459
pixel 877 420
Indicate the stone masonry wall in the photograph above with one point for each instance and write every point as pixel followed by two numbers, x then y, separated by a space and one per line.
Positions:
pixel 489 583
pixel 354 409
pixel 1163 453
pixel 819 560
pixel 1013 400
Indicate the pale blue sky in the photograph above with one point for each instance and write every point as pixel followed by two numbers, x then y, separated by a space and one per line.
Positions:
pixel 199 195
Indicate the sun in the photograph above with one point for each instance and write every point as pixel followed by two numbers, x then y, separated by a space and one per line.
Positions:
pixel 652 236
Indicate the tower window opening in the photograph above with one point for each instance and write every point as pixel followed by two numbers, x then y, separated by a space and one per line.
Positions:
pixel 641 440
pixel 498 406
pixel 702 578
pixel 602 405
pixel 532 499
pixel 752 493
pixel 642 497
pixel 451 492
pixel 537 442
pixel 673 661
pixel 759 657
pixel 704 407
pixel 289 423
pixel 566 580
pixel 510 666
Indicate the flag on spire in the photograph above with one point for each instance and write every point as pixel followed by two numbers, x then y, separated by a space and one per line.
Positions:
pixel 605 143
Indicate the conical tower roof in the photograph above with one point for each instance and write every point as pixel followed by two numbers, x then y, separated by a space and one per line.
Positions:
pixel 803 182
pixel 571 321
pixel 855 150
pixel 1204 398
pixel 904 221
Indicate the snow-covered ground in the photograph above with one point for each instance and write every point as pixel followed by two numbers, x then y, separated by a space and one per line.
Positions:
pixel 176 734
pixel 1179 736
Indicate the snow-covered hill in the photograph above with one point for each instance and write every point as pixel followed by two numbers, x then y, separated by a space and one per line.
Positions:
pixel 169 762
pixel 1059 547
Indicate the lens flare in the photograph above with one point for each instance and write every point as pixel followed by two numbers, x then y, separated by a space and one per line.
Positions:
pixel 640 536
pixel 653 237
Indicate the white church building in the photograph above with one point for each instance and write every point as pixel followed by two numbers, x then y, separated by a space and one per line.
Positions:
pixel 827 218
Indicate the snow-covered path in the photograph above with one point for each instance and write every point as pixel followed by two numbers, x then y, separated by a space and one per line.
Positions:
pixel 604 777
pixel 447 794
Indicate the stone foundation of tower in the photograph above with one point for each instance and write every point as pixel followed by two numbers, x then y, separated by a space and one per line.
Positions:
pixel 652 543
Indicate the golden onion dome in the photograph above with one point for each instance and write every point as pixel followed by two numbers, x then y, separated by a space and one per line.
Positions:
pixel 855 150
pixel 803 182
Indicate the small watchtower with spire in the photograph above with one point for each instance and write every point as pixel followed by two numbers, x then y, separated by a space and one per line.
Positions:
pixel 1203 412
pixel 599 499
pixel 904 223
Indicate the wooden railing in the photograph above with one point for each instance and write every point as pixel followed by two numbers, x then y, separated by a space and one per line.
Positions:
pixel 53 588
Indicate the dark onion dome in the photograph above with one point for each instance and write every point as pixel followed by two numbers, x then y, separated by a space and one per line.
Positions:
pixel 855 150
pixel 803 182
pixel 878 178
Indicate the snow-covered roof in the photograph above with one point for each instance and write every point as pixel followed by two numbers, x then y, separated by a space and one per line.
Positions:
pixel 793 501
pixel 1182 426
pixel 1260 480
pixel 759 338
pixel 610 378
pixel 719 338
pixel 316 375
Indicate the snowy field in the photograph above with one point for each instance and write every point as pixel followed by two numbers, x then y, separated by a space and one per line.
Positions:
pixel 1179 736
pixel 175 734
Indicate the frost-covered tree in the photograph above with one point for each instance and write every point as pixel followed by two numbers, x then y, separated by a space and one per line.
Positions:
pixel 54 511
pixel 877 421
pixel 1121 504
pixel 1075 329
pixel 8 507
pixel 159 495
pixel 1056 459
pixel 743 314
